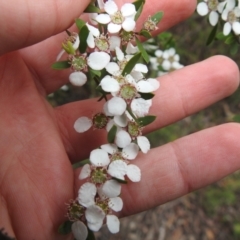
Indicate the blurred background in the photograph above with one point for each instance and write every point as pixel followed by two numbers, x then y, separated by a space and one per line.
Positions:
pixel 212 213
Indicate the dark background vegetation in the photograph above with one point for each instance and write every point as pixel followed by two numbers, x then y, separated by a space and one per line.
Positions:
pixel 211 213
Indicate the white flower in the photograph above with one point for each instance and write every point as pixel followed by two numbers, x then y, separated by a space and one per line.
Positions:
pixel 116 19
pixel 95 214
pixel 209 6
pixel 232 21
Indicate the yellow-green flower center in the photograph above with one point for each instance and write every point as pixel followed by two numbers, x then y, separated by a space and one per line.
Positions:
pixel 75 211
pixel 78 63
pixel 117 18
pixel 99 176
pixel 213 4
pixel 128 92
pixel 134 129
pixel 102 43
pixel 100 120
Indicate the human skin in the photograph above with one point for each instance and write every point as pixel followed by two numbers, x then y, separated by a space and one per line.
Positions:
pixel 38 143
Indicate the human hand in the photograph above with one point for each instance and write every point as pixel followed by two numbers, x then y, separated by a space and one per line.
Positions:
pixel 38 143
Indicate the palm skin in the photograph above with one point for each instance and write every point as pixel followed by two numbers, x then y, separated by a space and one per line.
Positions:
pixel 38 143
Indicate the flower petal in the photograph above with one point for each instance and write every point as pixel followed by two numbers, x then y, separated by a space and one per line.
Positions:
pixel 111 188
pixel 98 60
pixel 95 216
pixel 110 7
pixel 236 27
pixel 121 121
pixel 227 28
pixel 85 172
pixel 79 230
pixel 213 18
pixel 90 40
pixel 93 30
pixel 103 18
pixel 117 169
pixel 122 139
pixel 154 82
pixel 202 9
pixel 109 148
pixel 116 204
pixel 77 79
pixel 99 157
pixel 128 10
pixel 114 28
pixel 130 151
pixel 144 86
pixel 82 124
pixel 131 49
pixel 113 68
pixel 86 194
pixel 119 53
pixel 141 106
pixel 116 106
pixel 129 24
pixel 134 173
pixel 113 223
pixel 141 68
pixel 114 42
pixel 109 84
pixel 143 143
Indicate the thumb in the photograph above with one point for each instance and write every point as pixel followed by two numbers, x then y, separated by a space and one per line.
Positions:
pixel 26 22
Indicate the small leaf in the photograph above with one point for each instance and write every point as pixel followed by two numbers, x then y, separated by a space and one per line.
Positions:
pixel 142 50
pixel 212 35
pixel 61 65
pixel 145 34
pixel 83 35
pixel 91 8
pixel 80 23
pixel 112 134
pixel 139 7
pixel 131 63
pixel 236 118
pixel 80 164
pixel 147 96
pixel 65 228
pixel 95 72
pixel 157 17
pixel 120 180
pixel 144 121
pixel 230 40
pixel 234 49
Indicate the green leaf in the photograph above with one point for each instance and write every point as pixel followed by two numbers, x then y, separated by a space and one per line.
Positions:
pixel 91 8
pixel 65 228
pixel 112 134
pixel 61 65
pixel 80 164
pixel 144 121
pixel 131 63
pixel 234 49
pixel 142 50
pixel 80 23
pixel 212 35
pixel 230 40
pixel 147 96
pixel 145 33
pixel 95 72
pixel 157 17
pixel 236 118
pixel 120 180
pixel 83 35
pixel 139 7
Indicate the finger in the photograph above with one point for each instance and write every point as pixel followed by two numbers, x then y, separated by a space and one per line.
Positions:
pixel 183 166
pixel 181 93
pixel 47 51
pixel 32 21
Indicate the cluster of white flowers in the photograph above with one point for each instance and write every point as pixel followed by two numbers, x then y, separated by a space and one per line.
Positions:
pixel 165 61
pixel 227 10
pixel 107 52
